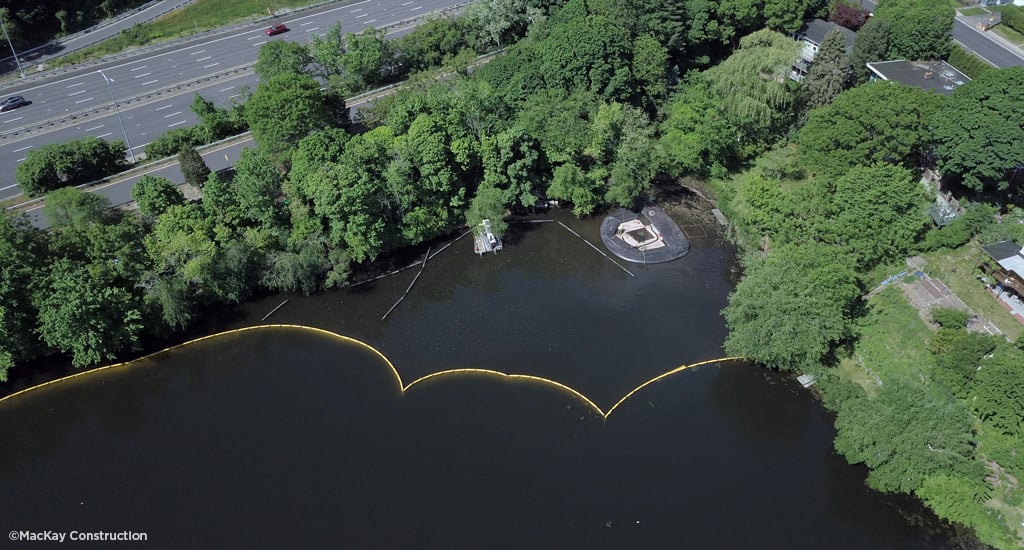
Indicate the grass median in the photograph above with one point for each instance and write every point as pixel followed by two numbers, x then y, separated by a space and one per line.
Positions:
pixel 201 15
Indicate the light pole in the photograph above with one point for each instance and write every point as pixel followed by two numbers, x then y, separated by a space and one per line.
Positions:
pixel 131 154
pixel 16 60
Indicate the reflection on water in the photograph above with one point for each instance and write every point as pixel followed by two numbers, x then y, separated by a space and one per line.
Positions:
pixel 290 438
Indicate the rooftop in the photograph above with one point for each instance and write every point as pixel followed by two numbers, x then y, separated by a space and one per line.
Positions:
pixel 814 31
pixel 927 75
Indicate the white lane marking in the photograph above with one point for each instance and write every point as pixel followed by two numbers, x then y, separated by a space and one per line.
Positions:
pixel 313 29
pixel 142 75
pixel 211 65
pixel 176 123
pixel 164 107
pixel 197 53
pixel 416 8
pixel 407 3
pixel 357 9
pixel 79 84
pixel 138 68
pixel 23 148
pixel 322 34
pixel 84 100
pixel 143 145
pixel 21 159
pixel 94 128
pixel 370 21
pixel 78 92
pixel 226 89
pixel 361 16
pixel 306 23
pixel 104 135
pixel 172 114
pixel 253 37
pixel 150 82
pixel 259 43
pixel 14 119
pixel 10 186
pixel 204 58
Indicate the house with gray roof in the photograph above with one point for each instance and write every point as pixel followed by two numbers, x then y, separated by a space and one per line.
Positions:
pixel 812 34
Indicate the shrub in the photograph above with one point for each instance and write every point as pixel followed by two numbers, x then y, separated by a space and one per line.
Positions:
pixel 171 142
pixel 68 164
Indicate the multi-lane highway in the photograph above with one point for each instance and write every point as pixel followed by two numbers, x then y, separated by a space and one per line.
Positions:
pixel 149 88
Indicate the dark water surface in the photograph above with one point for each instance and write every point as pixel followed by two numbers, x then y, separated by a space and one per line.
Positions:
pixel 290 438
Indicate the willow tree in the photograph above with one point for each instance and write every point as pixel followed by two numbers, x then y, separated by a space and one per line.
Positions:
pixel 752 83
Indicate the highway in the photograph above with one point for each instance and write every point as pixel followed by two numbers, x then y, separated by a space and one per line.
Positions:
pixel 149 90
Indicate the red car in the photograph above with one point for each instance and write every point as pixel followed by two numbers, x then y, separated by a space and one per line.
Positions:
pixel 277 29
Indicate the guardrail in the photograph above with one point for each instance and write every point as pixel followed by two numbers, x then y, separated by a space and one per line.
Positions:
pixel 181 87
pixel 247 135
pixel 42 74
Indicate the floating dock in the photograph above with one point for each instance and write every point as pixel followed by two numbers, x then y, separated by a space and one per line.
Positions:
pixel 484 240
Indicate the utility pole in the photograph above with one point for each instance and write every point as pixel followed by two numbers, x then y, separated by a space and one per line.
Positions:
pixel 9 43
pixel 127 143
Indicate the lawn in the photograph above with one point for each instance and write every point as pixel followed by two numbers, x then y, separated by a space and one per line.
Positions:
pixel 958 269
pixel 973 11
pixel 198 16
pixel 1009 34
pixel 892 343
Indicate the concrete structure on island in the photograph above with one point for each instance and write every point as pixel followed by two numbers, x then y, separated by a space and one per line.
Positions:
pixel 648 237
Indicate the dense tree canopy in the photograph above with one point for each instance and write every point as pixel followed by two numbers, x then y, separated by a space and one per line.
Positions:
pixel 876 122
pixel 829 75
pixel 791 308
pixel 285 109
pixel 918 29
pixel 978 135
pixel 67 164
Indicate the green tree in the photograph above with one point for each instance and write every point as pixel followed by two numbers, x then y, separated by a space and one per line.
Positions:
pixel 974 137
pixel 510 162
pixel 154 195
pixel 86 318
pixel 285 109
pixel 876 122
pixel 68 164
pixel 23 250
pixel 876 213
pixel 650 68
pixel 829 75
pixel 171 142
pixel 919 29
pixel 751 84
pixel 434 42
pixel 75 207
pixel 218 122
pixel 590 54
pixel 257 187
pixel 786 16
pixel 998 391
pixel 695 135
pixel 502 22
pixel 570 183
pixel 279 57
pixel 368 60
pixel 905 435
pixel 193 167
pixel 791 308
pixel 871 44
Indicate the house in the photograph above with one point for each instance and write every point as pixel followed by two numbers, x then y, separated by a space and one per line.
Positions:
pixel 927 75
pixel 1009 256
pixel 812 34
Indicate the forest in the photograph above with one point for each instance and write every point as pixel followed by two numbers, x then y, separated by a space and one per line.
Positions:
pixel 592 102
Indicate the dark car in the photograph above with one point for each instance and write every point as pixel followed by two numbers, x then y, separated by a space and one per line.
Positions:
pixel 277 29
pixel 13 102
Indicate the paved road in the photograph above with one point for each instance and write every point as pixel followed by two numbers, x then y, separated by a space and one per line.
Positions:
pixel 986 46
pixel 40 54
pixel 217 157
pixel 145 87
pixel 982 44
